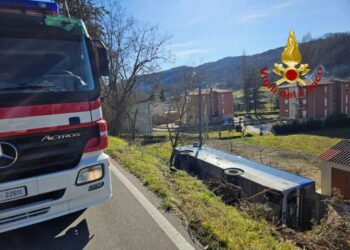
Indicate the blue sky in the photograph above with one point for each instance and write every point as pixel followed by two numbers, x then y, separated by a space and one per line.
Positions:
pixel 208 30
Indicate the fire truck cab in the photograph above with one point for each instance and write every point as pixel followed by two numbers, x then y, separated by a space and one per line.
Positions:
pixel 52 132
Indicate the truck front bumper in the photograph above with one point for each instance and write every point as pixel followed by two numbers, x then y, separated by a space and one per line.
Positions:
pixel 53 195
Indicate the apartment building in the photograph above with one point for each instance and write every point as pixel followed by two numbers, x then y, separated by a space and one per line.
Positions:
pixel 331 96
pixel 217 106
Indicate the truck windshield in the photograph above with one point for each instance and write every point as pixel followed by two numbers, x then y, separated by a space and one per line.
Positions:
pixel 38 65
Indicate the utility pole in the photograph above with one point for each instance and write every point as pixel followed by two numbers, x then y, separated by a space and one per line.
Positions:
pixel 200 117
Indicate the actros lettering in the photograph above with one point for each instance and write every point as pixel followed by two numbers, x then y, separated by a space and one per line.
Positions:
pixel 59 137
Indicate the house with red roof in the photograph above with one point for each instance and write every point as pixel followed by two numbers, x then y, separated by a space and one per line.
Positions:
pixel 335 169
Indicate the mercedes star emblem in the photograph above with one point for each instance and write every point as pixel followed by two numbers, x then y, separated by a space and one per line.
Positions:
pixel 8 155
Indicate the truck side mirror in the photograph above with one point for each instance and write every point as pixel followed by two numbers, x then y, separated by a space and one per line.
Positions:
pixel 102 58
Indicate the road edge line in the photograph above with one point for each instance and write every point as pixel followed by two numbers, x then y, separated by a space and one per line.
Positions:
pixel 179 241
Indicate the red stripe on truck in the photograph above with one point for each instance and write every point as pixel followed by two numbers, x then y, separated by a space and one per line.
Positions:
pixel 48 109
pixel 45 130
pixel 95 104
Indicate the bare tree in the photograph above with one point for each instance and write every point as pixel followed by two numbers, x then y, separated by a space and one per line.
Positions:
pixel 179 102
pixel 134 50
pixel 132 117
pixel 244 129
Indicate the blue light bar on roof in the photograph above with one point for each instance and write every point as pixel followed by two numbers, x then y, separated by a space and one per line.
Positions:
pixel 25 6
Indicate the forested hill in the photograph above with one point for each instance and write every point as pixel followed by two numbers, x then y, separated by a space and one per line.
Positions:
pixel 332 51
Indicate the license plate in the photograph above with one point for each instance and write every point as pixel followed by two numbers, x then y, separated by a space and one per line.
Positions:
pixel 13 193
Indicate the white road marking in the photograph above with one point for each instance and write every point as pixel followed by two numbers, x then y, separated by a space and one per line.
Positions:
pixel 179 241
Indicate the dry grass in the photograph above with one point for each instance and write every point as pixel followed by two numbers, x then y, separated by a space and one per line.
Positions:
pixel 216 224
pixel 221 226
pixel 294 153
pixel 305 143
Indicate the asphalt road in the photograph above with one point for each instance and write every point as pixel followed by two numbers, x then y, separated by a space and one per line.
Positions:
pixel 130 220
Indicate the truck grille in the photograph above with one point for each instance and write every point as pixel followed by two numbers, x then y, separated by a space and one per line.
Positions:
pixel 37 199
pixel 37 157
pixel 24 216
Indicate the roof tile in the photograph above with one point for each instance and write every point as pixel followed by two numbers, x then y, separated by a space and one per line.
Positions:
pixel 339 153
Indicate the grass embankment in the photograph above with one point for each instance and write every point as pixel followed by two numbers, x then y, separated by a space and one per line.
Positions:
pixel 224 133
pixel 301 143
pixel 217 224
pixel 314 142
pixel 213 134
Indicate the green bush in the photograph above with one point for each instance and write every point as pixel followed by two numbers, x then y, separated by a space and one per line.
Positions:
pixel 150 139
pixel 338 120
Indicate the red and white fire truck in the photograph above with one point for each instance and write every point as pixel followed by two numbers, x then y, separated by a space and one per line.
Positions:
pixel 51 128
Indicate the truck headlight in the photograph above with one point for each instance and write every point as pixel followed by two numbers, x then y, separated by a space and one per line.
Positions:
pixel 90 174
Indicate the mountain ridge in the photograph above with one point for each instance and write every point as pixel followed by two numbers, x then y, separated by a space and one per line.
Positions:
pixel 330 51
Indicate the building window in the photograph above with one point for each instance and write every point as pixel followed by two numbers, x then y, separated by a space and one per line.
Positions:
pixel 346 99
pixel 286 111
pixel 223 111
pixel 304 113
pixel 286 101
pixel 325 101
pixel 325 89
pixel 304 101
pixel 325 113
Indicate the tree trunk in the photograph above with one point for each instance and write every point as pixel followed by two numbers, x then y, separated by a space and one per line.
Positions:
pixel 172 156
pixel 115 121
pixel 174 145
pixel 256 111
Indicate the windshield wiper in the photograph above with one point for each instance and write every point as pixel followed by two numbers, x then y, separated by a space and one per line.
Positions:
pixel 66 73
pixel 31 87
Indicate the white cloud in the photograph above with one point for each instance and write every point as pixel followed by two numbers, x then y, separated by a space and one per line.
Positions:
pixel 189 52
pixel 198 19
pixel 186 44
pixel 188 49
pixel 258 13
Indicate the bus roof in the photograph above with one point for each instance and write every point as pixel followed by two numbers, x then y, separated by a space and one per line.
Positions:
pixel 264 175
